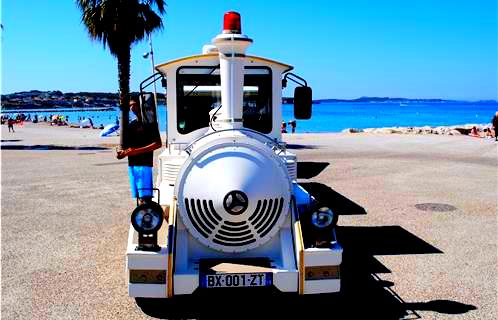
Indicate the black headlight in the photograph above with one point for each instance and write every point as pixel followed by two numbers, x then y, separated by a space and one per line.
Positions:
pixel 147 218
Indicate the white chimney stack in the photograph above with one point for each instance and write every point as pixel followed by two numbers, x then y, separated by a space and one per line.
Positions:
pixel 231 46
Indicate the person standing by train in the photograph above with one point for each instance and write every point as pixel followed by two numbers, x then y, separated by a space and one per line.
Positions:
pixel 144 138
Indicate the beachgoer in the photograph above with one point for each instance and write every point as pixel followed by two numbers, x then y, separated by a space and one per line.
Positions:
pixel 10 124
pixel 487 133
pixel 293 124
pixel 283 128
pixel 494 122
pixel 474 133
pixel 143 140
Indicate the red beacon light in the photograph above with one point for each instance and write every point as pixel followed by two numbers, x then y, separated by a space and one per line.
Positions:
pixel 231 23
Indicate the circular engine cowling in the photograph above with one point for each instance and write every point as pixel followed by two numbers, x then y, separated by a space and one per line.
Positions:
pixel 233 193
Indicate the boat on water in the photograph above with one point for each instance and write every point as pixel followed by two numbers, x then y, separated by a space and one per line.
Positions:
pixel 228 211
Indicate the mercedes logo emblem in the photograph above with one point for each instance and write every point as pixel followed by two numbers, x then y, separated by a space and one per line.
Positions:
pixel 235 202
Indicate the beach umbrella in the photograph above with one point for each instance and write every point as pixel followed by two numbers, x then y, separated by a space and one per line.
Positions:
pixel 109 129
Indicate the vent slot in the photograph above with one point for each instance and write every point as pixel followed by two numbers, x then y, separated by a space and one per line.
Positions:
pixel 292 168
pixel 216 215
pixel 208 213
pixel 265 215
pixel 275 215
pixel 231 239
pixel 199 220
pixel 234 234
pixel 170 171
pixel 203 215
pixel 255 211
pixel 194 223
pixel 235 224
pixel 235 244
pixel 260 213
pixel 235 229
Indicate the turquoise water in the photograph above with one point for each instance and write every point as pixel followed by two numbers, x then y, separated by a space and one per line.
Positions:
pixel 334 117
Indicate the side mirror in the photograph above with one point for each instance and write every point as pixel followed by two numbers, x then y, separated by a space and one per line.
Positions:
pixel 302 103
pixel 148 107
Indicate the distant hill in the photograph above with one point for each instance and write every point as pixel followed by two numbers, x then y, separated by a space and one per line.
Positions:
pixel 36 99
pixel 67 95
pixel 290 100
pixel 56 99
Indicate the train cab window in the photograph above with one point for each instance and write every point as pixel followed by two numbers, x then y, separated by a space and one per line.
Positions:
pixel 257 108
pixel 199 91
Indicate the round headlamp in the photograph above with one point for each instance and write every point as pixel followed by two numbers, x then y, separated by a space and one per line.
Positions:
pixel 323 217
pixel 147 218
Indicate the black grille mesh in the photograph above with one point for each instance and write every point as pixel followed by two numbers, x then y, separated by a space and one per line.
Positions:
pixel 207 222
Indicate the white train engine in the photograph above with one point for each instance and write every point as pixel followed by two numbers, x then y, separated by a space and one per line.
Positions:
pixel 227 186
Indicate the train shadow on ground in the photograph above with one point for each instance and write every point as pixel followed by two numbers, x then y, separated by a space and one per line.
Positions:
pixel 11 140
pixel 50 147
pixel 310 169
pixel 300 146
pixel 325 195
pixel 328 197
pixel 363 294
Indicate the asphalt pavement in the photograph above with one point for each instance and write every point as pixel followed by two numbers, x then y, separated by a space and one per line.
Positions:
pixel 418 222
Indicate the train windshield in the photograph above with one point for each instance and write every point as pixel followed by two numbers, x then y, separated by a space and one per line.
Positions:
pixel 199 91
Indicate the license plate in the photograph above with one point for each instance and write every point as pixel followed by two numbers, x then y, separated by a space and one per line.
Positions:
pixel 236 280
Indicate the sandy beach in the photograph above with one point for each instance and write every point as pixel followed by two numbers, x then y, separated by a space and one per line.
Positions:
pixel 418 225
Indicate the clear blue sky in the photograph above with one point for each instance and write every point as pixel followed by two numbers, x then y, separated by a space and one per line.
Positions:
pixel 345 49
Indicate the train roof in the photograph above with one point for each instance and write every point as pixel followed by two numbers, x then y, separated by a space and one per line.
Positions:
pixel 169 64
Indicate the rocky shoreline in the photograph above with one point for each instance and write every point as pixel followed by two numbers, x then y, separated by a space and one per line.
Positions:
pixel 440 130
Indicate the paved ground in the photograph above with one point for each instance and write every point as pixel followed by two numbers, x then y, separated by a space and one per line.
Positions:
pixel 426 247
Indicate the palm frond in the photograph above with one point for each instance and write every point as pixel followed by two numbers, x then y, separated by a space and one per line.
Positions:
pixel 118 24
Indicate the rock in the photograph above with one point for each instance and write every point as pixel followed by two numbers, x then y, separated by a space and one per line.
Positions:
pixel 463 130
pixel 384 131
pixel 441 130
pixel 351 130
pixel 397 130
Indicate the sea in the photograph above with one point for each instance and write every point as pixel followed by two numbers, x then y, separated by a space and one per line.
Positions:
pixel 331 116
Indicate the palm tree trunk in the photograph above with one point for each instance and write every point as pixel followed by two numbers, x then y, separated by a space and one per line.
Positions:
pixel 124 93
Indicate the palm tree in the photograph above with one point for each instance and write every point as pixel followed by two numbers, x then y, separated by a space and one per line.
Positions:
pixel 118 24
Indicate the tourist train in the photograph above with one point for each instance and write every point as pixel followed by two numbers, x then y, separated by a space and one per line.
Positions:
pixel 228 211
